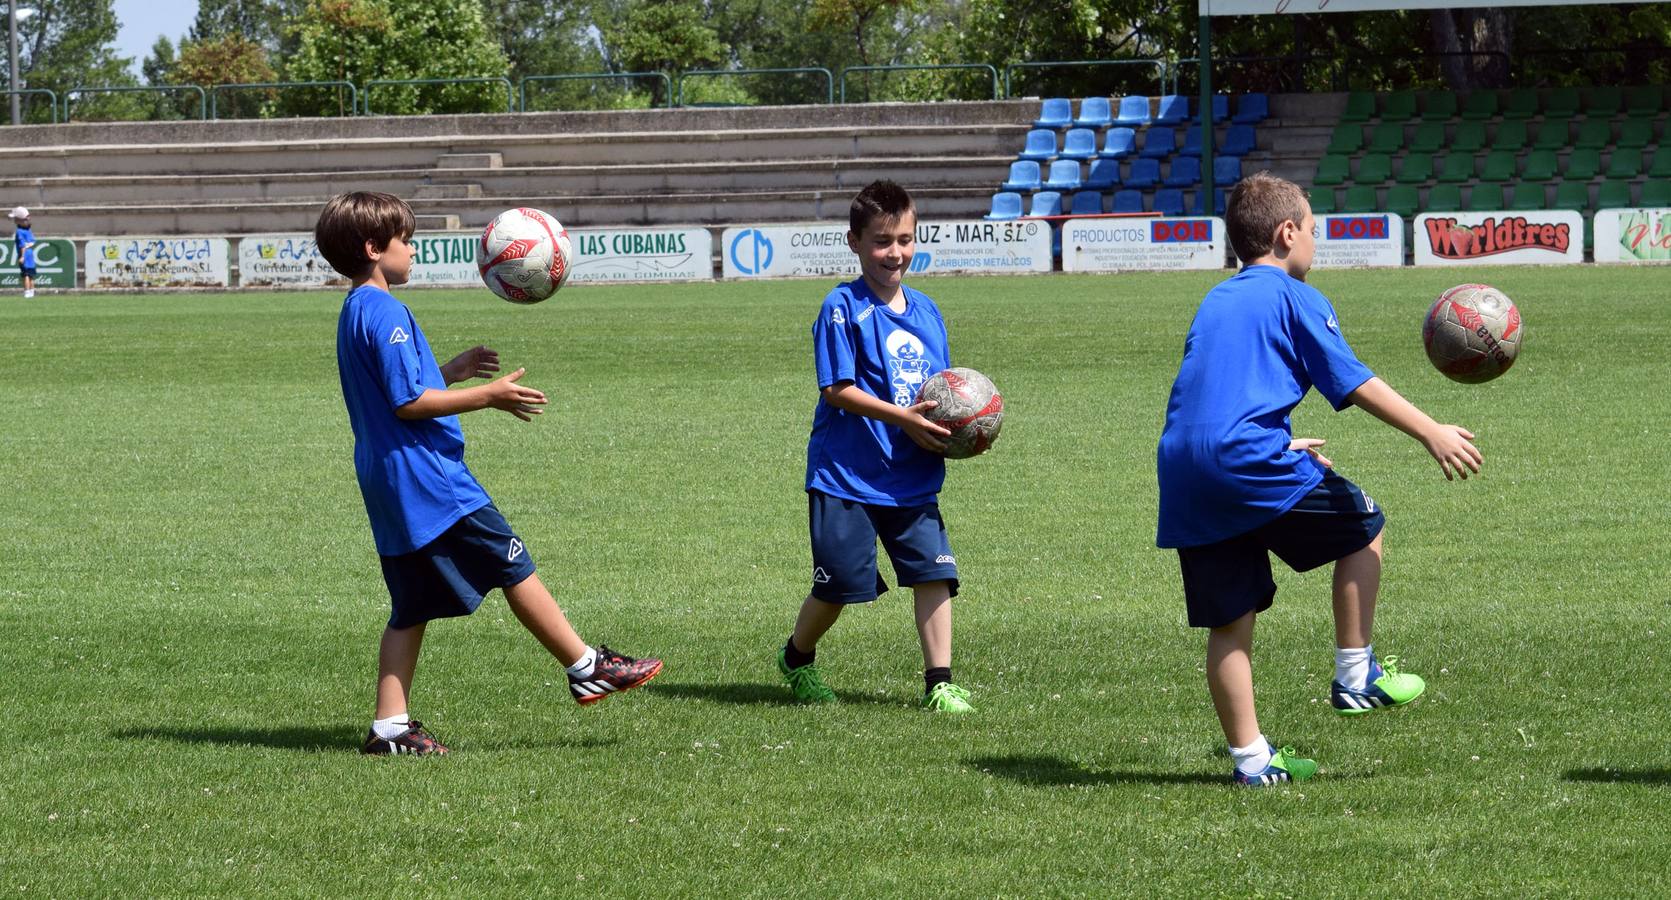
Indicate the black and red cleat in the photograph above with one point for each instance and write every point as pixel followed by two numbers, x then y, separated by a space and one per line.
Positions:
pixel 612 674
pixel 414 741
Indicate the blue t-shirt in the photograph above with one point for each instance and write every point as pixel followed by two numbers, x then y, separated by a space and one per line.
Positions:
pixel 888 355
pixel 411 473
pixel 1260 340
pixel 25 258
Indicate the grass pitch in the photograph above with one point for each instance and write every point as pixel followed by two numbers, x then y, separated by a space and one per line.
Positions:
pixel 191 604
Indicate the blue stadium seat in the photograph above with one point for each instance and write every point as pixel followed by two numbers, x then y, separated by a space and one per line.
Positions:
pixel 1064 176
pixel 1086 203
pixel 1057 113
pixel 1119 144
pixel 1145 173
pixel 1221 108
pixel 1006 205
pixel 1158 143
pixel 1046 203
pixel 1080 143
pixel 1104 174
pixel 1185 171
pixel 1238 141
pixel 1192 142
pixel 1169 202
pixel 1218 201
pixel 1024 176
pixel 1174 109
pixel 1128 201
pixel 1041 145
pixel 1227 170
pixel 1094 112
pixel 1134 112
pixel 1252 109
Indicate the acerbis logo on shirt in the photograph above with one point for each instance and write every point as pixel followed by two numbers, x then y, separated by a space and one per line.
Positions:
pixel 398 336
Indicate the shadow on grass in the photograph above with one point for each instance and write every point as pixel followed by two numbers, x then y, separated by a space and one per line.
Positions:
pixel 1053 771
pixel 308 738
pixel 746 694
pixel 1620 776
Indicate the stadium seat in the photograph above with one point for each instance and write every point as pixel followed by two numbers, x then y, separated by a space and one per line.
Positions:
pixel 1360 107
pixel 1511 136
pixel 1251 109
pixel 1094 112
pixel 1458 167
pixel 1184 172
pixel 1499 166
pixel 1128 201
pixel 1582 165
pixel 1079 143
pixel 1064 176
pixel 1624 163
pixel 1594 134
pixel 1562 103
pixel 1469 137
pixel 1360 198
pixel 1347 138
pixel 1527 197
pixel 1174 109
pixel 1374 168
pixel 1119 143
pixel 1006 205
pixel 1540 166
pixel 1660 167
pixel 1159 142
pixel 1192 142
pixel 1134 112
pixel 1403 199
pixel 1024 176
pixel 1218 201
pixel 1333 169
pixel 1522 104
pixel 1169 202
pixel 1221 108
pixel 1439 106
pixel 1604 101
pixel 1647 100
pixel 1444 198
pixel 1485 198
pixel 1086 203
pixel 1635 134
pixel 1398 106
pixel 1429 137
pixel 1041 145
pixel 1322 201
pixel 1553 134
pixel 1657 194
pixel 1572 195
pixel 1056 113
pixel 1416 169
pixel 1387 137
pixel 1480 105
pixel 1614 195
pixel 1104 174
pixel 1046 203
pixel 1239 141
pixel 1227 170
pixel 1144 173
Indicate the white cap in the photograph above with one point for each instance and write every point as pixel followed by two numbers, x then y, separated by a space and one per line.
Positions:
pixel 18 212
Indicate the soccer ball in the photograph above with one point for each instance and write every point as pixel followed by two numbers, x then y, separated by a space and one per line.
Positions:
pixel 968 405
pixel 524 255
pixel 1473 333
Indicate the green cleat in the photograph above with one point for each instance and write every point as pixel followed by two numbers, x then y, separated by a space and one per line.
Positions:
pixel 1387 688
pixel 1284 766
pixel 947 698
pixel 806 682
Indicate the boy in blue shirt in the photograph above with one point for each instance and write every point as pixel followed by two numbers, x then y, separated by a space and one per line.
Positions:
pixel 25 241
pixel 1235 485
pixel 874 468
pixel 442 543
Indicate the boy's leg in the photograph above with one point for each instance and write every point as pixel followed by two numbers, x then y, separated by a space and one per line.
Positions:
pixel 1230 680
pixel 1357 581
pixel 397 662
pixel 933 602
pixel 815 618
pixel 593 674
pixel 1362 683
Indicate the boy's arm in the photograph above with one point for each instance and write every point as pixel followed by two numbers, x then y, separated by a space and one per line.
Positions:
pixel 1450 444
pixel 927 435
pixel 503 393
pixel 476 362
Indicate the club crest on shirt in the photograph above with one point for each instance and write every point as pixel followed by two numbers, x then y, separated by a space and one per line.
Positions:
pixel 908 365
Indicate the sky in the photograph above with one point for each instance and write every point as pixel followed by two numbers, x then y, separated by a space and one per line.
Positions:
pixel 143 21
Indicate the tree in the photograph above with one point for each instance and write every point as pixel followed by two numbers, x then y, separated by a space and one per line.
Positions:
pixel 540 38
pixel 69 44
pixel 229 59
pixel 664 37
pixel 260 21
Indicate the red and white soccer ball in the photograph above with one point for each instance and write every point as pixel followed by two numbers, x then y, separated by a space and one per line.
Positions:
pixel 968 405
pixel 524 255
pixel 1472 333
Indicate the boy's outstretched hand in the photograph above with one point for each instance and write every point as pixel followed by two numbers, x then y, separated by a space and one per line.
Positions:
pixel 1310 446
pixel 926 434
pixel 522 402
pixel 476 362
pixel 1452 446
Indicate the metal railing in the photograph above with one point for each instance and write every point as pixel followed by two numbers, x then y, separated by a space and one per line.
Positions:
pixel 51 101
pixel 214 92
pixel 940 67
pixel 510 89
pixel 76 93
pixel 829 79
pixel 522 85
pixel 1159 65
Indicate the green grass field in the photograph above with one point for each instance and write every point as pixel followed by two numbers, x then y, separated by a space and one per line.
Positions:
pixel 191 604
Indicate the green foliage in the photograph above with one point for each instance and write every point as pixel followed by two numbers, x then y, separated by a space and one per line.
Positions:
pixel 664 37
pixel 71 43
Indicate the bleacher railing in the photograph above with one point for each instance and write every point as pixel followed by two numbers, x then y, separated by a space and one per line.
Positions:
pixel 352 107
pixel 666 84
pixel 510 89
pixel 51 98
pixel 922 68
pixel 1159 65
pixel 77 93
pixel 829 79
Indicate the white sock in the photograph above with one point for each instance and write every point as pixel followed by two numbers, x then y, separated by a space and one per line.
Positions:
pixel 1252 759
pixel 1351 666
pixel 583 667
pixel 392 727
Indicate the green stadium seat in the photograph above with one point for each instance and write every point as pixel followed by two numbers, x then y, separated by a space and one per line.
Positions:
pixel 1635 134
pixel 1333 169
pixel 1374 168
pixel 1553 134
pixel 1486 197
pixel 1582 165
pixel 1647 100
pixel 1444 198
pixel 1387 137
pixel 1429 137
pixel 1499 166
pixel 1458 167
pixel 1604 102
pixel 1398 106
pixel 1572 195
pixel 1540 166
pixel 1614 195
pixel 1522 104
pixel 1469 137
pixel 1594 134
pixel 1527 197
pixel 1480 105
pixel 1403 199
pixel 1360 198
pixel 1439 106
pixel 1657 194
pixel 1347 138
pixel 1416 169
pixel 1322 201
pixel 1660 167
pixel 1562 103
pixel 1624 163
pixel 1511 136
pixel 1360 107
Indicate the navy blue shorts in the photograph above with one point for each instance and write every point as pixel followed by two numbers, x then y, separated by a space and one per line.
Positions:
pixel 844 534
pixel 28 271
pixel 1229 579
pixel 450 575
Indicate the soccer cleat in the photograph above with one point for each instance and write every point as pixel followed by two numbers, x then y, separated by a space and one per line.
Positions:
pixel 1387 687
pixel 1284 766
pixel 612 674
pixel 414 741
pixel 807 682
pixel 948 698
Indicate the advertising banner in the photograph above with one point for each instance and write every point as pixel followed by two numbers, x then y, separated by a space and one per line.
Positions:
pixel 445 259
pixel 54 264
pixel 1633 235
pixel 284 260
pixel 1499 238
pixel 1112 245
pixel 158 262
pixel 1363 239
pixel 604 255
pixel 772 251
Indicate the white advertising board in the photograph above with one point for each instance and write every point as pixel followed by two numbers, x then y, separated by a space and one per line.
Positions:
pixel 604 255
pixel 1633 235
pixel 772 251
pixel 1112 245
pixel 1359 239
pixel 1499 238
pixel 158 262
pixel 445 259
pixel 284 260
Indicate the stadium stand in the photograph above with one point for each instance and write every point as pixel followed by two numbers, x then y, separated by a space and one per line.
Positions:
pixel 1103 174
pixel 1169 201
pixel 1056 113
pixel 1251 109
pixel 1128 201
pixel 1144 173
pixel 1134 112
pixel 1094 113
pixel 1159 142
pixel 1119 143
pixel 1046 203
pixel 1040 146
pixel 1184 172
pixel 1024 176
pixel 1086 203
pixel 1005 205
pixel 1064 176
pixel 1079 144
pixel 1173 110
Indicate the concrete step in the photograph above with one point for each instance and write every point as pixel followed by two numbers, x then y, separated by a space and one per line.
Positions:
pixel 460 191
pixel 469 161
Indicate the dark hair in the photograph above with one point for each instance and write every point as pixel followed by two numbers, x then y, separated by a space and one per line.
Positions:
pixel 1256 208
pixel 879 199
pixel 349 220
